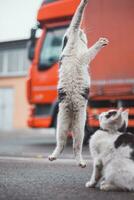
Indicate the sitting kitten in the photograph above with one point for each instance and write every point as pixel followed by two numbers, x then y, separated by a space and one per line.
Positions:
pixel 112 150
pixel 74 84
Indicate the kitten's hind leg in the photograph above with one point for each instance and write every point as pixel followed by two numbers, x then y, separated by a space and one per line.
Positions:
pixel 63 123
pixel 108 186
pixel 78 136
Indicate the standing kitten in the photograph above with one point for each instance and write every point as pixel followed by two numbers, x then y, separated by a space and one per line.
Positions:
pixel 73 86
pixel 112 150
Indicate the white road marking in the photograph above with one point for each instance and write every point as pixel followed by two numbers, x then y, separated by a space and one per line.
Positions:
pixel 41 160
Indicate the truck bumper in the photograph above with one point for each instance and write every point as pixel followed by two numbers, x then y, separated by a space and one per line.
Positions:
pixel 39 122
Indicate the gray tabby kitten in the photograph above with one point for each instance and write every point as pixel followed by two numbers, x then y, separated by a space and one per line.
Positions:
pixel 74 84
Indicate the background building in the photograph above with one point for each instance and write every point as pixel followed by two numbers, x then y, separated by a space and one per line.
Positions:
pixel 14 64
pixel 13 73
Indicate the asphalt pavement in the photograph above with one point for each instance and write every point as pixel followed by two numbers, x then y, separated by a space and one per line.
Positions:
pixel 26 173
pixel 34 143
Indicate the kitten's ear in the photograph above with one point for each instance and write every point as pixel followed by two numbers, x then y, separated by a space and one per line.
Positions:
pixel 125 113
pixel 119 111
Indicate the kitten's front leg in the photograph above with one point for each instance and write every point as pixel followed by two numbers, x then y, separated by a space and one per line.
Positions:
pixel 75 23
pixel 94 50
pixel 96 174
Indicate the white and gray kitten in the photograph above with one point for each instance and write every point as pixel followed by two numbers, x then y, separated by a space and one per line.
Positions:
pixel 112 150
pixel 74 84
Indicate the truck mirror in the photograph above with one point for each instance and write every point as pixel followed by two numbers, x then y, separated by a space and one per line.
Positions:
pixel 32 43
pixel 31 48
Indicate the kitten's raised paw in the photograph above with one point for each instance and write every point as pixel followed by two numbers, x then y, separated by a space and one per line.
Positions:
pixel 51 158
pixel 103 41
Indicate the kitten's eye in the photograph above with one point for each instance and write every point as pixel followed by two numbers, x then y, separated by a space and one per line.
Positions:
pixel 112 113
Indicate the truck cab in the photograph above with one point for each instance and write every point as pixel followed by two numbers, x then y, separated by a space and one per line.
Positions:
pixel 53 19
pixel 112 71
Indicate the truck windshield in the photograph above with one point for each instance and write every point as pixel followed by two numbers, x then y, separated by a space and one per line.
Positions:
pixel 51 47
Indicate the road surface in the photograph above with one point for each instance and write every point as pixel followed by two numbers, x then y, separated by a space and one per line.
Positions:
pixel 26 173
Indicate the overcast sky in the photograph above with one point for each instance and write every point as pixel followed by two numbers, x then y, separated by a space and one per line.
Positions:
pixel 16 18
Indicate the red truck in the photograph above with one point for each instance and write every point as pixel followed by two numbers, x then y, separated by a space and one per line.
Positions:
pixel 112 72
